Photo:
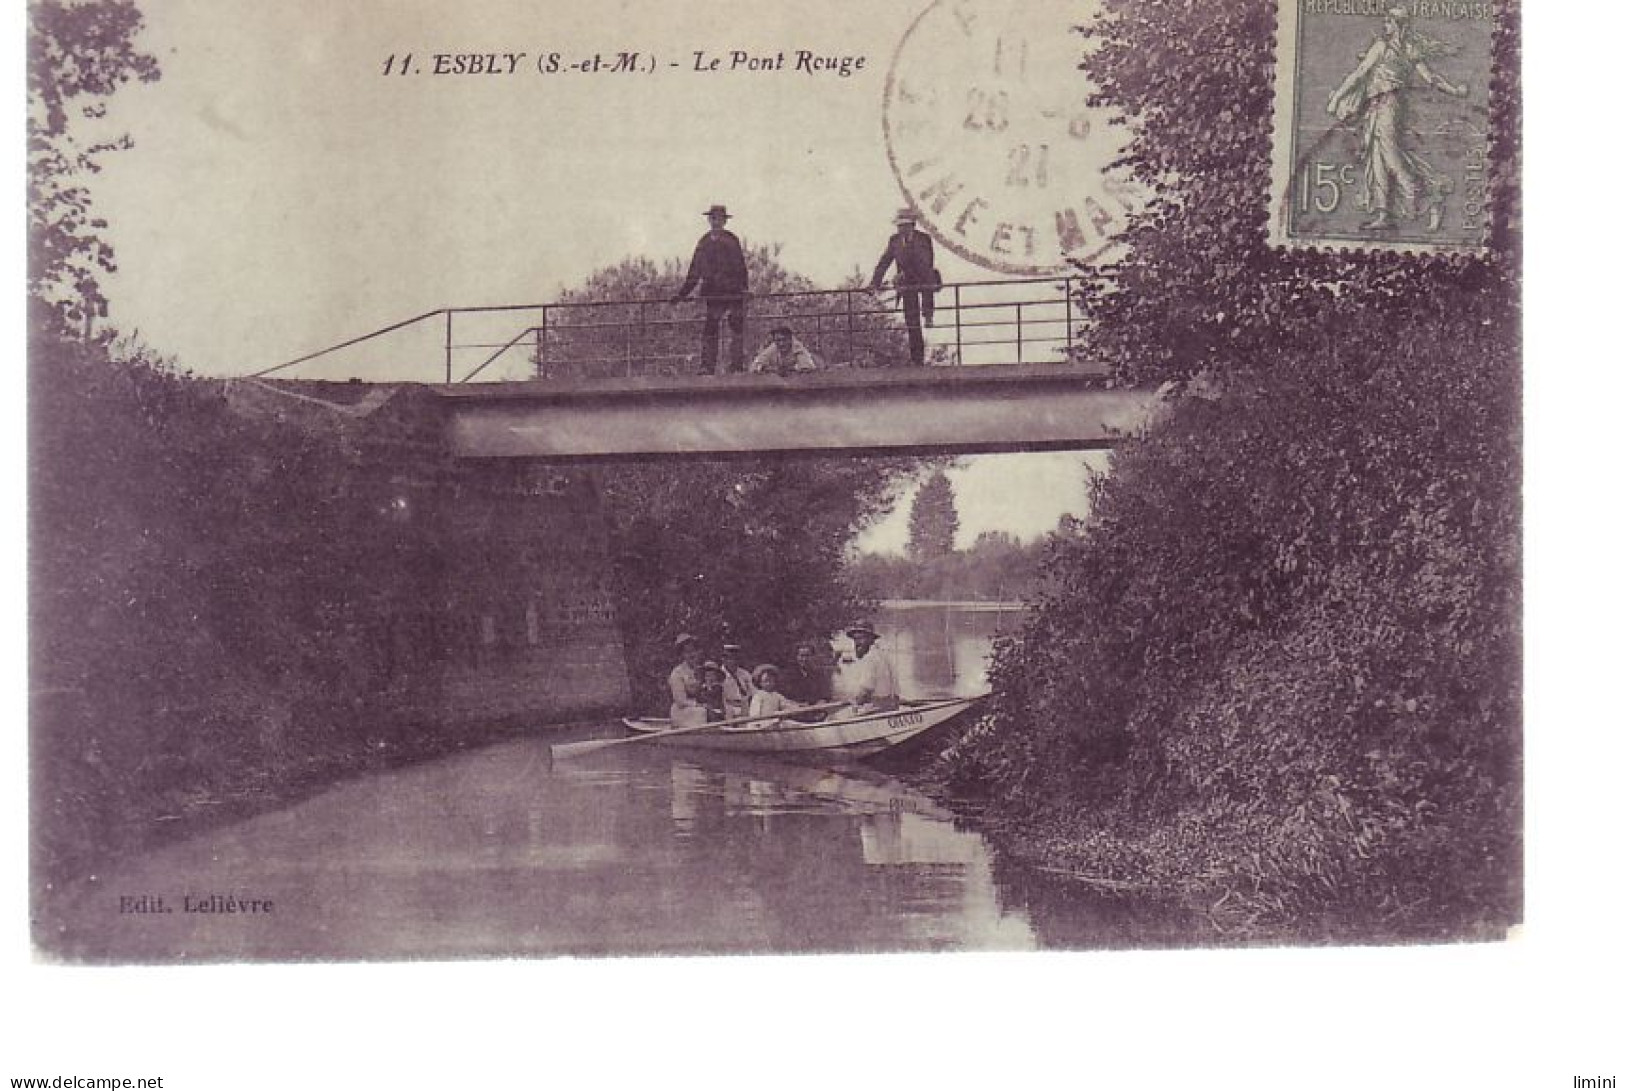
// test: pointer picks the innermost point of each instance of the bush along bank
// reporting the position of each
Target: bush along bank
(232, 608)
(1276, 674)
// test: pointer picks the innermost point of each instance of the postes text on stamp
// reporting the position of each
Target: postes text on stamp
(993, 141)
(1381, 136)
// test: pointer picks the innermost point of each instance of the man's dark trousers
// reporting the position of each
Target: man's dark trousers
(734, 308)
(913, 303)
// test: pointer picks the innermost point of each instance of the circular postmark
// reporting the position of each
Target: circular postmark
(992, 138)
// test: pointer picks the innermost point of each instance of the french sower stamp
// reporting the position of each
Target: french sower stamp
(1382, 124)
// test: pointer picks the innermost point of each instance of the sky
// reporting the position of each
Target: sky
(284, 193)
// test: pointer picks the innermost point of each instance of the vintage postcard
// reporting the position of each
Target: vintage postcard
(520, 480)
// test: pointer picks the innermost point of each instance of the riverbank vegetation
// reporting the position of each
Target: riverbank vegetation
(1276, 673)
(212, 601)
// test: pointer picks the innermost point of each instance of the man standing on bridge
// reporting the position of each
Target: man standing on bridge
(718, 270)
(917, 279)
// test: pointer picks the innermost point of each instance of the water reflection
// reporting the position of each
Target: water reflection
(640, 850)
(941, 649)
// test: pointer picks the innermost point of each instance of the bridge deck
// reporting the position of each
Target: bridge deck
(883, 411)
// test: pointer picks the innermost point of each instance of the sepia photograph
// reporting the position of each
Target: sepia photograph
(606, 496)
(957, 476)
(928, 543)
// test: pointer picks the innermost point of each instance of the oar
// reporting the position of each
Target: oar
(572, 749)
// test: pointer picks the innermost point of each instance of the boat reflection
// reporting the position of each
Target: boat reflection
(937, 879)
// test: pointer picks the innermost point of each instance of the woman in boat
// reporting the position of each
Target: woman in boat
(767, 700)
(686, 684)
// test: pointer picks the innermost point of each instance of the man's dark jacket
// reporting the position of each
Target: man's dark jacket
(718, 267)
(916, 262)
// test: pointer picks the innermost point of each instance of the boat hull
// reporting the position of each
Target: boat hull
(859, 736)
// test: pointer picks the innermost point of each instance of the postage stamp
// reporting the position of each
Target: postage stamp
(1381, 136)
(991, 135)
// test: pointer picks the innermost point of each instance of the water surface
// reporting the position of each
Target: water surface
(637, 849)
(634, 850)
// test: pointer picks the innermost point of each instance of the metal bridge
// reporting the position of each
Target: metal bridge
(617, 379)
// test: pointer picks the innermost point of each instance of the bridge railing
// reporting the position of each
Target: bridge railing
(975, 322)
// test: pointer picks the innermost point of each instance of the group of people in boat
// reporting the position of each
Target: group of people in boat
(718, 271)
(724, 690)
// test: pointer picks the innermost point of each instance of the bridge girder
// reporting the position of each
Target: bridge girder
(900, 411)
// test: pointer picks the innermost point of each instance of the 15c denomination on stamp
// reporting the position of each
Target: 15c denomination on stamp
(1381, 137)
(991, 136)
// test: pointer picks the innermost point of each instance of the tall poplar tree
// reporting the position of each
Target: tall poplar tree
(934, 520)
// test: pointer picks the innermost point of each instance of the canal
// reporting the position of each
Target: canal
(633, 850)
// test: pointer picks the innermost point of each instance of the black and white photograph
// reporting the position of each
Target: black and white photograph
(556, 484)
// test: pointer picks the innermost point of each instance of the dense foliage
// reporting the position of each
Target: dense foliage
(78, 54)
(210, 594)
(1278, 670)
(621, 322)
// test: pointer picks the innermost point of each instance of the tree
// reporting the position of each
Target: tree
(620, 321)
(1278, 669)
(79, 53)
(934, 521)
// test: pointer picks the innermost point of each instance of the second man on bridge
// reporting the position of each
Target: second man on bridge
(917, 279)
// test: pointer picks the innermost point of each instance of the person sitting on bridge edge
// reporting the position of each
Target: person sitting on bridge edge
(718, 270)
(917, 279)
(784, 355)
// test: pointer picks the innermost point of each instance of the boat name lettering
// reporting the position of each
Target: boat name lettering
(907, 719)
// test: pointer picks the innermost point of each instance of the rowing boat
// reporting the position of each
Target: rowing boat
(852, 736)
